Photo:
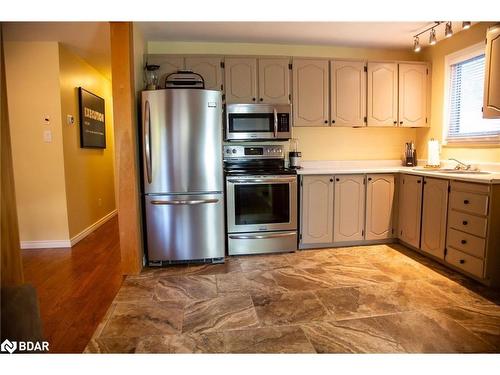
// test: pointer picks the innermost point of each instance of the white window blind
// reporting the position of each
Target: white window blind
(465, 118)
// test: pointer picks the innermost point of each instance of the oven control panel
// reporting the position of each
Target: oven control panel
(253, 152)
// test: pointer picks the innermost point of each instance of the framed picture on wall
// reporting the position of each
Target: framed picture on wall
(92, 120)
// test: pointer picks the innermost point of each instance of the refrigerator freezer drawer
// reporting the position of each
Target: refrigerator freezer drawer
(185, 227)
(262, 242)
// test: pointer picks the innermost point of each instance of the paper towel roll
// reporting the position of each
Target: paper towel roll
(433, 153)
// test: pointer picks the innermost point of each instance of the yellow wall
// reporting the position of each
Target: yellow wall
(436, 55)
(90, 191)
(318, 143)
(32, 71)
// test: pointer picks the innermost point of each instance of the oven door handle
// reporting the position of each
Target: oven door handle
(275, 112)
(184, 202)
(260, 236)
(262, 180)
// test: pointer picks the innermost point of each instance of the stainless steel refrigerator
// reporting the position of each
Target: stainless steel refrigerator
(183, 178)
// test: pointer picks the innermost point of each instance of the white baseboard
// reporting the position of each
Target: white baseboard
(67, 243)
(45, 244)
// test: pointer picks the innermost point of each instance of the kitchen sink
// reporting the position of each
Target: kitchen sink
(452, 171)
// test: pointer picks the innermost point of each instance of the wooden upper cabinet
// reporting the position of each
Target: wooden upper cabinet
(310, 92)
(349, 208)
(241, 80)
(380, 206)
(410, 209)
(434, 213)
(491, 99)
(274, 80)
(348, 93)
(209, 68)
(317, 209)
(413, 95)
(382, 94)
(168, 64)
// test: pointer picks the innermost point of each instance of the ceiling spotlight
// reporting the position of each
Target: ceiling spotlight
(416, 44)
(448, 31)
(432, 37)
(466, 25)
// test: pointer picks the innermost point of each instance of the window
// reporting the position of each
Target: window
(463, 117)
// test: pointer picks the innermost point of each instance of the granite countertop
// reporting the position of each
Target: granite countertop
(392, 166)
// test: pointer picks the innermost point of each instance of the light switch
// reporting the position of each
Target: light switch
(47, 136)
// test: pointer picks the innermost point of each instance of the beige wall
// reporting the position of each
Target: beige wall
(32, 71)
(58, 184)
(436, 55)
(318, 143)
(90, 191)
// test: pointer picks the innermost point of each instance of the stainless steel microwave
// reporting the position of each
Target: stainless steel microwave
(245, 122)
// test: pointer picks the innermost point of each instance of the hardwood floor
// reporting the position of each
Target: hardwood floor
(75, 286)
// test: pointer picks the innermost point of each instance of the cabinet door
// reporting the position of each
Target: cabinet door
(379, 206)
(241, 80)
(274, 81)
(209, 68)
(348, 93)
(310, 92)
(349, 208)
(410, 209)
(413, 95)
(434, 212)
(491, 98)
(382, 94)
(168, 64)
(317, 209)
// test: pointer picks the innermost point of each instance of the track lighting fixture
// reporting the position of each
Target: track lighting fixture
(448, 31)
(432, 37)
(466, 25)
(416, 44)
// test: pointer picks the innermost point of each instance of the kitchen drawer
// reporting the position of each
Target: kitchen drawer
(465, 262)
(470, 187)
(469, 202)
(466, 242)
(468, 223)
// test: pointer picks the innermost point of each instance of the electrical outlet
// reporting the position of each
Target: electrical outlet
(99, 202)
(47, 136)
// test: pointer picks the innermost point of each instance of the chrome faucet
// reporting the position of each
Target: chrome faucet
(460, 165)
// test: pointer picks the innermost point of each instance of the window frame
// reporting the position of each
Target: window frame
(450, 59)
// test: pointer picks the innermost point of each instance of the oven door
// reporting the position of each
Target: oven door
(251, 121)
(261, 203)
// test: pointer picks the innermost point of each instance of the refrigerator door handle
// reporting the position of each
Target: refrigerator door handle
(260, 236)
(146, 128)
(184, 202)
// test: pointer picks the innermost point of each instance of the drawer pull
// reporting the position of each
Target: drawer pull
(466, 201)
(463, 242)
(465, 222)
(462, 261)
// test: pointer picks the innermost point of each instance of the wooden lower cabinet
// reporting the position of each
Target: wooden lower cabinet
(434, 215)
(316, 210)
(410, 209)
(349, 208)
(380, 206)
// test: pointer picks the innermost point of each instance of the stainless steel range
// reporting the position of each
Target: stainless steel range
(261, 200)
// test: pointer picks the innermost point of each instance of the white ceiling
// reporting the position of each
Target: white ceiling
(89, 40)
(395, 35)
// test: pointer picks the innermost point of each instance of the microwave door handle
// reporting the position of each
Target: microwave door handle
(146, 128)
(275, 123)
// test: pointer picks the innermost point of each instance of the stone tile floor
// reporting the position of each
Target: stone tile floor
(370, 299)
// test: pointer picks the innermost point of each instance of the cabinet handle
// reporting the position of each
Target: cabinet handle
(261, 99)
(326, 121)
(465, 222)
(395, 122)
(253, 99)
(333, 121)
(369, 178)
(463, 242)
(462, 261)
(401, 123)
(466, 201)
(337, 179)
(331, 179)
(418, 182)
